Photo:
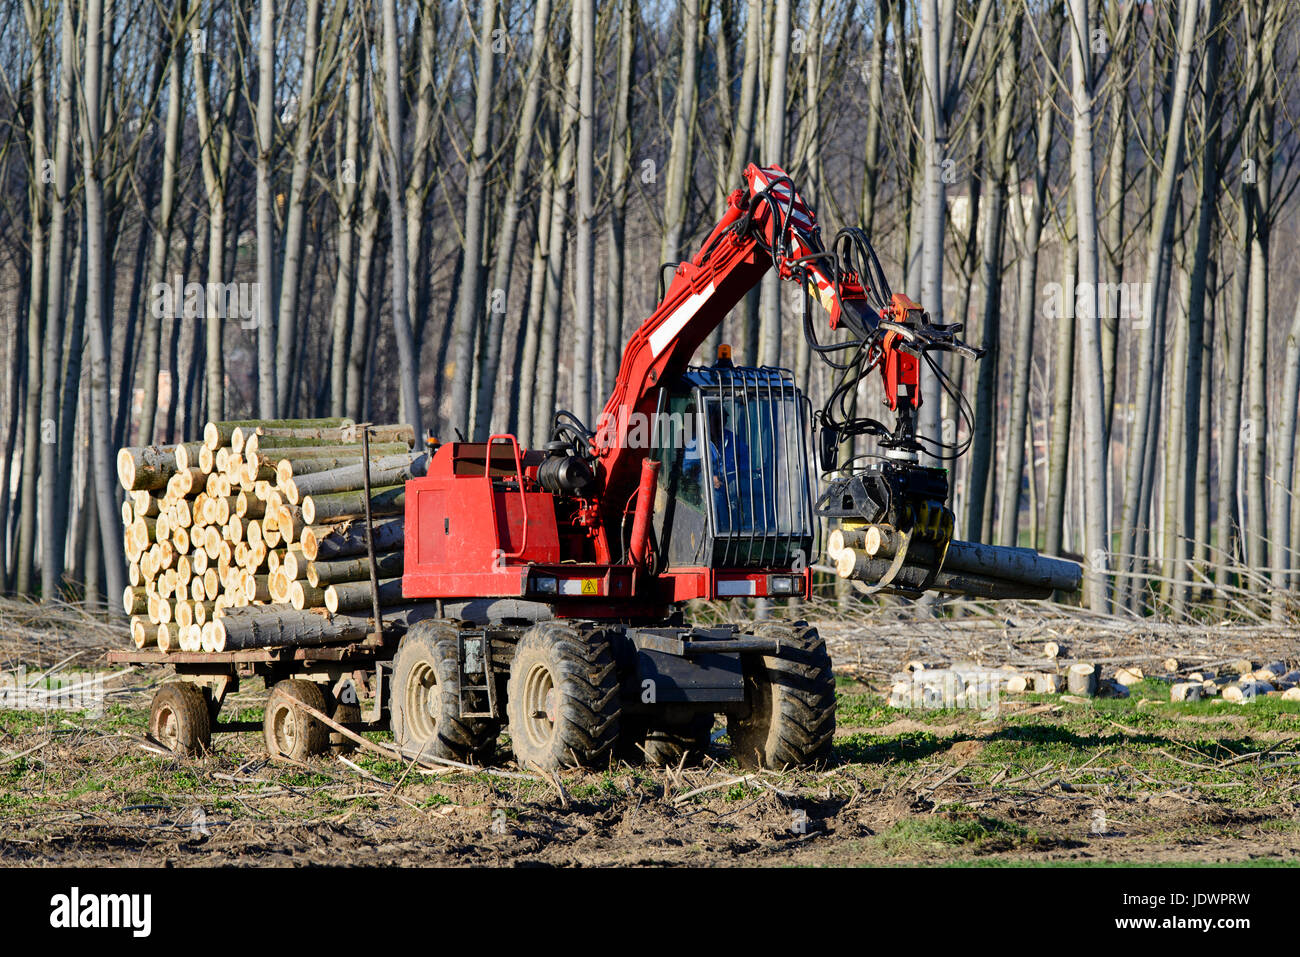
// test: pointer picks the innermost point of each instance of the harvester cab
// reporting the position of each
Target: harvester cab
(734, 485)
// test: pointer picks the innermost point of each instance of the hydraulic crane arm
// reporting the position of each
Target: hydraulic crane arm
(768, 225)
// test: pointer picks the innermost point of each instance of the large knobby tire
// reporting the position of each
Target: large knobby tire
(790, 719)
(666, 745)
(289, 731)
(426, 700)
(180, 718)
(563, 698)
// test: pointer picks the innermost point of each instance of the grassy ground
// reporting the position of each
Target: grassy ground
(1044, 781)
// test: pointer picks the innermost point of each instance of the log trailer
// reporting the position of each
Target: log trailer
(544, 588)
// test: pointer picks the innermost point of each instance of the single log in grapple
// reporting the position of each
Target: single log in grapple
(543, 590)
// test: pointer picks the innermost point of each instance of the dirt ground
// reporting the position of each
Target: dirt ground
(1040, 779)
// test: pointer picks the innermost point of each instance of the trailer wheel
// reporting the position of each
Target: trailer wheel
(426, 700)
(180, 718)
(562, 698)
(790, 718)
(290, 732)
(664, 745)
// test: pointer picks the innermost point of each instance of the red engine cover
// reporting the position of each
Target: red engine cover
(470, 531)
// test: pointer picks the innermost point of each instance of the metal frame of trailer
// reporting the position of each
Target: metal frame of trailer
(219, 673)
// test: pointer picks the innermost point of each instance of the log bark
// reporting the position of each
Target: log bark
(273, 435)
(217, 434)
(387, 565)
(857, 565)
(386, 471)
(135, 601)
(338, 506)
(168, 637)
(1021, 565)
(1081, 679)
(304, 595)
(262, 628)
(343, 541)
(146, 468)
(354, 596)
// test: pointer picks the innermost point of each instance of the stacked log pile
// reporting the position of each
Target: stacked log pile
(255, 535)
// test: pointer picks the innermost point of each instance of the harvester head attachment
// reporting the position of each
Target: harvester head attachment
(897, 511)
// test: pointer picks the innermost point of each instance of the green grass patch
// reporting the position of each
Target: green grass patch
(978, 832)
(867, 748)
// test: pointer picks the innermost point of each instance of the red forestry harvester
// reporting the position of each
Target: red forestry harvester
(544, 589)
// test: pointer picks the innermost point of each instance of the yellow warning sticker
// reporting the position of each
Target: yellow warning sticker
(589, 586)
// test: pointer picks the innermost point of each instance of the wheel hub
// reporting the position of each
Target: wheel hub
(286, 729)
(168, 732)
(423, 702)
(541, 705)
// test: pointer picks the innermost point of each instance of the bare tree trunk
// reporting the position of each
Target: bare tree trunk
(809, 158)
(287, 316)
(1202, 555)
(1233, 346)
(680, 157)
(216, 135)
(52, 509)
(620, 149)
(1258, 529)
(364, 306)
(875, 116)
(584, 250)
(267, 320)
(774, 147)
(346, 194)
(503, 266)
(934, 127)
(1114, 217)
(548, 343)
(471, 289)
(418, 185)
(941, 86)
(166, 210)
(14, 365)
(1031, 235)
(1092, 385)
(1195, 467)
(73, 349)
(91, 562)
(38, 203)
(98, 310)
(742, 142)
(530, 322)
(407, 361)
(1155, 300)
